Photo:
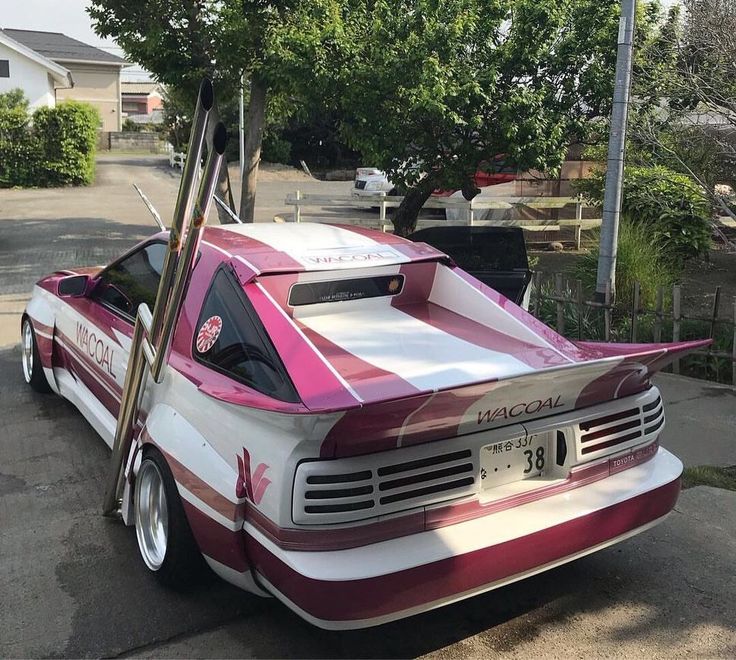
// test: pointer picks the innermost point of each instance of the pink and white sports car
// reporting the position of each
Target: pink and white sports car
(352, 424)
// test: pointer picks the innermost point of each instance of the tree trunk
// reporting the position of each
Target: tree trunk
(405, 218)
(225, 193)
(253, 139)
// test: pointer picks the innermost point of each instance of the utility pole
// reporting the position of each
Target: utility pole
(616, 149)
(241, 128)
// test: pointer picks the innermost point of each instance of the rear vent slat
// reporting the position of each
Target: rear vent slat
(429, 490)
(318, 479)
(616, 431)
(658, 425)
(345, 496)
(423, 462)
(612, 442)
(611, 430)
(600, 421)
(341, 492)
(339, 508)
(425, 476)
(651, 418)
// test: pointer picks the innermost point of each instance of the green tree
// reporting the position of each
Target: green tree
(431, 90)
(274, 45)
(692, 128)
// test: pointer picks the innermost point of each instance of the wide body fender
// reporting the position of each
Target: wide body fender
(42, 313)
(207, 487)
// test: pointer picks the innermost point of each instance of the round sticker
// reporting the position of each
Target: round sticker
(208, 334)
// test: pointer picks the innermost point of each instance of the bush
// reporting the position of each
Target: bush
(15, 98)
(69, 137)
(275, 149)
(20, 151)
(669, 204)
(639, 259)
(57, 148)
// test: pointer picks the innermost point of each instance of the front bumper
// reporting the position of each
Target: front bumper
(376, 583)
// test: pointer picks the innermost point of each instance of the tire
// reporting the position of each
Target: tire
(31, 360)
(165, 540)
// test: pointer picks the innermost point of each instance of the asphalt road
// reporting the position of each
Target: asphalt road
(72, 585)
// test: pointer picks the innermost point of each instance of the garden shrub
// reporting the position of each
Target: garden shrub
(68, 134)
(275, 149)
(20, 151)
(670, 204)
(55, 147)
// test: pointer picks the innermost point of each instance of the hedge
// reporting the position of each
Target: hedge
(54, 147)
(669, 204)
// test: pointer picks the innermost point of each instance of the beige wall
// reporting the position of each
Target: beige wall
(100, 86)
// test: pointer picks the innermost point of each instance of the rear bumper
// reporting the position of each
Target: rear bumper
(373, 584)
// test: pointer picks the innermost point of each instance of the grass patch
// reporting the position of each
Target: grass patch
(639, 259)
(710, 475)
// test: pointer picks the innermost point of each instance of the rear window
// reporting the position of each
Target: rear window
(312, 293)
(231, 339)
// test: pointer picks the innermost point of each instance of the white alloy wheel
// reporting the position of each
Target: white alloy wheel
(27, 350)
(151, 515)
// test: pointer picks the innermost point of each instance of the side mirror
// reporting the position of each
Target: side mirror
(74, 286)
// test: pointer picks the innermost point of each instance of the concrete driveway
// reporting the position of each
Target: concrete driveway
(72, 585)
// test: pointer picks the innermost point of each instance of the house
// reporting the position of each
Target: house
(143, 101)
(39, 77)
(142, 98)
(95, 73)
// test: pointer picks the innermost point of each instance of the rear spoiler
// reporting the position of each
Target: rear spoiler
(607, 372)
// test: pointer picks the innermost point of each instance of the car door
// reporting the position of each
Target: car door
(97, 328)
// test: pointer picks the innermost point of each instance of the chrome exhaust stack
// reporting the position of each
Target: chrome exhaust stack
(153, 331)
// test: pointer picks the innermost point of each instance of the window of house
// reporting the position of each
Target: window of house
(132, 280)
(230, 338)
(4, 68)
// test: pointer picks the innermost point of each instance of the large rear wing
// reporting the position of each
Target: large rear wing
(613, 372)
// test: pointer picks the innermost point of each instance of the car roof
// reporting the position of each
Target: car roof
(294, 247)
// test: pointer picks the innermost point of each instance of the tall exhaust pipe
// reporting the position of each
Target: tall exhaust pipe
(148, 332)
(202, 207)
(184, 200)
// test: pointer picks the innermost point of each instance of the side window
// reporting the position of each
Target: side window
(231, 339)
(132, 281)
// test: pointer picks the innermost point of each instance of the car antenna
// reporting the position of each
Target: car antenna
(151, 208)
(233, 216)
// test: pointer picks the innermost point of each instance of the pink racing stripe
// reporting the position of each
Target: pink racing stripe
(81, 369)
(565, 346)
(639, 363)
(264, 257)
(278, 287)
(200, 488)
(367, 380)
(215, 541)
(319, 386)
(71, 345)
(391, 593)
(418, 281)
(343, 538)
(380, 238)
(483, 336)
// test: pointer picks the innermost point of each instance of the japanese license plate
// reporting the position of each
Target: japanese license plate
(514, 460)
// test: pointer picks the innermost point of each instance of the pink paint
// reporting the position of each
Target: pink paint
(252, 485)
(367, 380)
(352, 600)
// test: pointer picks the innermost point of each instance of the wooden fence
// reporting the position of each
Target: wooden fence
(471, 212)
(568, 296)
